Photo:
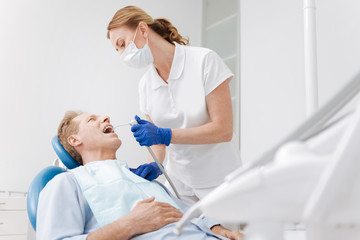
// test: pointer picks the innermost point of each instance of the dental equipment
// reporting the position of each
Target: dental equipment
(125, 124)
(310, 57)
(309, 127)
(313, 125)
(133, 122)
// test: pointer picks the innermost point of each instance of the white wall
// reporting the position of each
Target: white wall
(272, 64)
(55, 57)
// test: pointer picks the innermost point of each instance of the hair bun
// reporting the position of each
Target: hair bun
(165, 29)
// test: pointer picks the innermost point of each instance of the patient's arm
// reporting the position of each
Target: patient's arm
(62, 212)
(147, 216)
(233, 235)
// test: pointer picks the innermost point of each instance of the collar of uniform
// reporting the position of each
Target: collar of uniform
(178, 63)
(176, 70)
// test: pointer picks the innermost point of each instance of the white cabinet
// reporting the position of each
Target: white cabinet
(13, 237)
(13, 218)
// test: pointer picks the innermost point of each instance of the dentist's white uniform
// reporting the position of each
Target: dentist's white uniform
(195, 72)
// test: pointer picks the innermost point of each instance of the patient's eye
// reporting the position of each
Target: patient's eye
(91, 119)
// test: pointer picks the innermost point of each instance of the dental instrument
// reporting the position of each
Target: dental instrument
(133, 122)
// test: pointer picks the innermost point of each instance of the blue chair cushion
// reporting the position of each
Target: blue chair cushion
(44, 176)
(39, 182)
(64, 156)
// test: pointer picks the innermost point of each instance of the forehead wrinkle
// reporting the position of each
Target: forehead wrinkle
(77, 120)
(83, 117)
(80, 117)
(92, 116)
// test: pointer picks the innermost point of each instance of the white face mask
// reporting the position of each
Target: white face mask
(137, 58)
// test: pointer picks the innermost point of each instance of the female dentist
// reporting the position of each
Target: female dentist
(186, 100)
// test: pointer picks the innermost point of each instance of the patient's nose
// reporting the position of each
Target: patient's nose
(105, 119)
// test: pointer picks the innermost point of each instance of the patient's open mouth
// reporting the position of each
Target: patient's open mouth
(108, 129)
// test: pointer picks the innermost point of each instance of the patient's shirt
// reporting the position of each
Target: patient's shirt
(64, 213)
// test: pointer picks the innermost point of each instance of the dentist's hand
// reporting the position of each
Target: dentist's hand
(149, 171)
(147, 134)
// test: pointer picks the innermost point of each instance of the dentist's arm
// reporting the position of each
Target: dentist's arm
(147, 216)
(219, 129)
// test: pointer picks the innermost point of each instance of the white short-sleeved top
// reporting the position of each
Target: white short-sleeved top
(195, 72)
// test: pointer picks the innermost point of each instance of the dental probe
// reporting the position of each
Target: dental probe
(125, 124)
(132, 123)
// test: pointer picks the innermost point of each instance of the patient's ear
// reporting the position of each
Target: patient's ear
(74, 141)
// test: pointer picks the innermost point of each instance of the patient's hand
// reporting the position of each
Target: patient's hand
(233, 235)
(149, 215)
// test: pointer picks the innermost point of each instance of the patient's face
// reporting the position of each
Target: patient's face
(96, 133)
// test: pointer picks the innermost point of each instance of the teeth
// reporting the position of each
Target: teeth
(108, 127)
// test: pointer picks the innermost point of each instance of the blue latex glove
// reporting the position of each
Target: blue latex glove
(147, 134)
(149, 171)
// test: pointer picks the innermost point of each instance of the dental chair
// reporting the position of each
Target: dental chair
(311, 177)
(44, 176)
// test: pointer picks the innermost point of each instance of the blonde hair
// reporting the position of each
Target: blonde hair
(131, 16)
(66, 128)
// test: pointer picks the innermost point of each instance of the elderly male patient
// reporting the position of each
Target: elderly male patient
(103, 199)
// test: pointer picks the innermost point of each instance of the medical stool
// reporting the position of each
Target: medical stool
(44, 176)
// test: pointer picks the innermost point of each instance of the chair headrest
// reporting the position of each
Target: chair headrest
(64, 156)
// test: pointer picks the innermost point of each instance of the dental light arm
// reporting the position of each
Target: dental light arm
(305, 131)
